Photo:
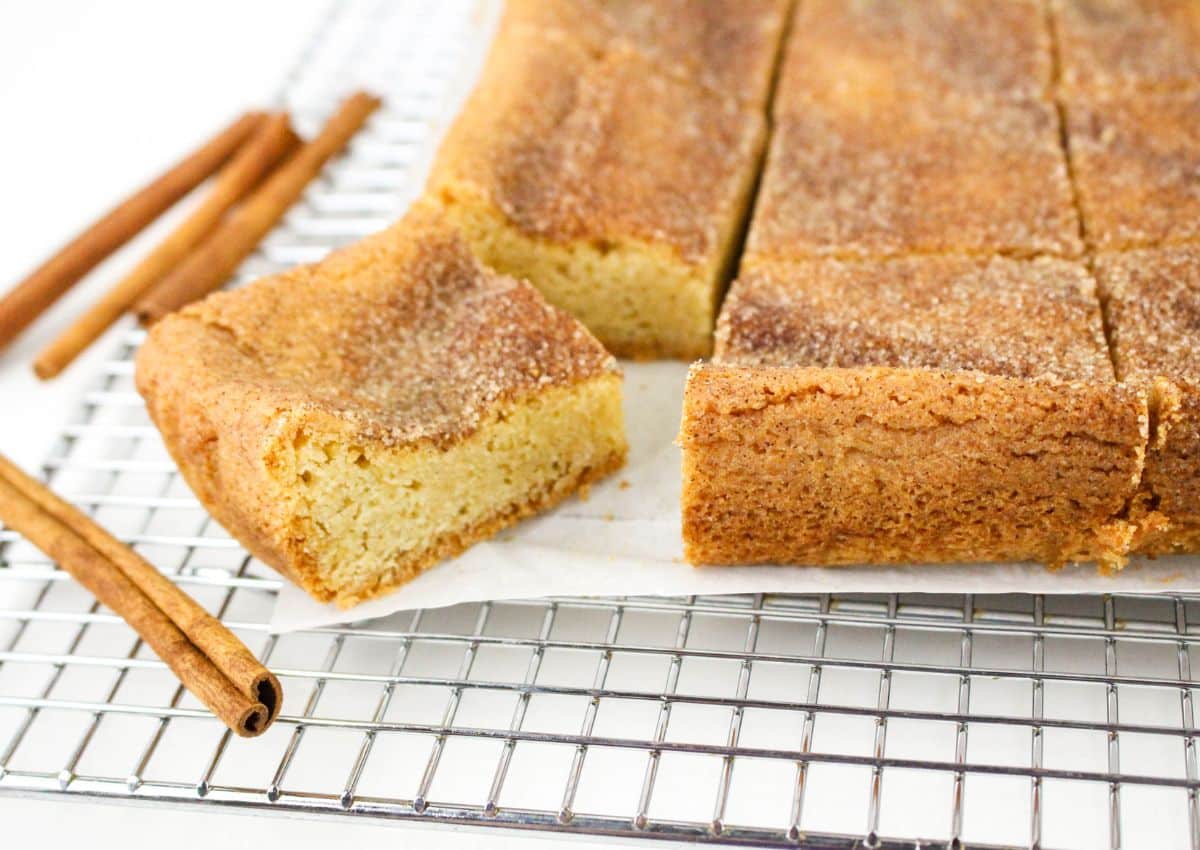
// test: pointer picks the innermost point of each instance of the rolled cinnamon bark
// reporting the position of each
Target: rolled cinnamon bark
(211, 264)
(209, 660)
(274, 140)
(46, 284)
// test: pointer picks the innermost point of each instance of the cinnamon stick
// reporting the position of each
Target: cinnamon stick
(208, 659)
(46, 284)
(219, 255)
(274, 140)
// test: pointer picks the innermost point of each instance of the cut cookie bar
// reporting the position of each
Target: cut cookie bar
(1137, 166)
(727, 46)
(874, 180)
(1152, 298)
(1128, 45)
(1021, 318)
(888, 50)
(620, 192)
(928, 409)
(355, 421)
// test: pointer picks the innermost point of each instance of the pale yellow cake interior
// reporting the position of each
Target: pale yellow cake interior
(372, 516)
(640, 299)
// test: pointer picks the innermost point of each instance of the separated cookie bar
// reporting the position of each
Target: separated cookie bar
(1136, 163)
(727, 46)
(355, 421)
(919, 410)
(1152, 298)
(884, 179)
(618, 191)
(1128, 46)
(881, 51)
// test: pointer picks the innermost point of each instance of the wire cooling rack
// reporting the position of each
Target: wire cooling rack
(812, 721)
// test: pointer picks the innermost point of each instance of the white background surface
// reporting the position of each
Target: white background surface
(96, 98)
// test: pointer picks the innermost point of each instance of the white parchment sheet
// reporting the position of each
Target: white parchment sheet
(624, 540)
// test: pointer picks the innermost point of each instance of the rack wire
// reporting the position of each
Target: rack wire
(831, 721)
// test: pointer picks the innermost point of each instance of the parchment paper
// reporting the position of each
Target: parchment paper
(624, 540)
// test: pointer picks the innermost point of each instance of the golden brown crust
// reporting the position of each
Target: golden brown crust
(575, 148)
(1136, 159)
(727, 46)
(886, 50)
(916, 177)
(404, 334)
(1128, 45)
(400, 340)
(1020, 318)
(618, 190)
(877, 465)
(1152, 300)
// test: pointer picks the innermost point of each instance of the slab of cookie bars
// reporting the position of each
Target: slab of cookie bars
(727, 46)
(884, 50)
(620, 192)
(1152, 298)
(929, 409)
(1136, 164)
(355, 421)
(1109, 46)
(885, 179)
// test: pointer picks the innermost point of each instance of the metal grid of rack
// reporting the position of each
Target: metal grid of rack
(813, 721)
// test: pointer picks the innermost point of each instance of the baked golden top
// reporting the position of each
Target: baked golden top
(403, 334)
(916, 177)
(728, 46)
(1126, 45)
(1137, 167)
(1017, 318)
(573, 146)
(1153, 301)
(882, 50)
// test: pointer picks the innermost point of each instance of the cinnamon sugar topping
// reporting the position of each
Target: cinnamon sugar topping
(847, 179)
(884, 50)
(1128, 45)
(1153, 302)
(727, 46)
(571, 146)
(404, 334)
(1137, 167)
(1017, 318)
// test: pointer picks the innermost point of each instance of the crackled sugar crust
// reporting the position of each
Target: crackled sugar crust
(727, 46)
(1136, 158)
(847, 179)
(550, 138)
(619, 191)
(1152, 299)
(919, 409)
(356, 420)
(887, 50)
(1128, 45)
(1021, 318)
